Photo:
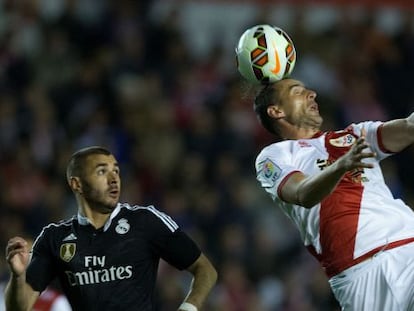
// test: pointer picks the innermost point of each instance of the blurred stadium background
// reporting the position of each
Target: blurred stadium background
(155, 81)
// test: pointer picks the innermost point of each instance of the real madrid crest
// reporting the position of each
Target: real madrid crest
(122, 227)
(67, 251)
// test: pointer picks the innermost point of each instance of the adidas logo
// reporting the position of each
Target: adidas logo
(70, 237)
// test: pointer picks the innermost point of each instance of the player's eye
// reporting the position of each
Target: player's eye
(101, 171)
(298, 90)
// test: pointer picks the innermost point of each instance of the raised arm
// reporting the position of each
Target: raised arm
(205, 276)
(19, 296)
(398, 134)
(307, 191)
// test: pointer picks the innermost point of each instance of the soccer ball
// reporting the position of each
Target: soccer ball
(265, 54)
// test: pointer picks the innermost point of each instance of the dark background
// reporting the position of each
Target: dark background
(156, 82)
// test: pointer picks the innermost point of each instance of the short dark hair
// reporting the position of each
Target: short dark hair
(77, 161)
(263, 100)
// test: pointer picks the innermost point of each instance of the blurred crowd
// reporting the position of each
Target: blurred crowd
(75, 73)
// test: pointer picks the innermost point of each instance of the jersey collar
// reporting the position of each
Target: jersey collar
(318, 134)
(84, 221)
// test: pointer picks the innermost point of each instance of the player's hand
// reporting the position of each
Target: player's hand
(17, 255)
(354, 157)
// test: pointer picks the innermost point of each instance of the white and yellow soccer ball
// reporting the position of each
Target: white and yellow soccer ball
(265, 54)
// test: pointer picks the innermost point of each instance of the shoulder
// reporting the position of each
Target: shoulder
(56, 229)
(368, 126)
(149, 215)
(277, 150)
(59, 226)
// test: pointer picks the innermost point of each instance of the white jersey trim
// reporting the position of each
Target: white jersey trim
(167, 220)
(66, 223)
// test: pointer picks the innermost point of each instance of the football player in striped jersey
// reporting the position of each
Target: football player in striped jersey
(330, 184)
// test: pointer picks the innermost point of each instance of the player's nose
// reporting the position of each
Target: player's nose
(113, 178)
(311, 94)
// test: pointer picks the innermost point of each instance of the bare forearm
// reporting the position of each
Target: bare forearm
(398, 134)
(314, 189)
(199, 290)
(205, 276)
(307, 191)
(16, 294)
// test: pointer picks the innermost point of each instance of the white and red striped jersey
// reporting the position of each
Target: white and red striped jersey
(359, 218)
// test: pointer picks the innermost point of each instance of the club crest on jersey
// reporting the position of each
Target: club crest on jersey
(67, 251)
(343, 141)
(269, 172)
(122, 227)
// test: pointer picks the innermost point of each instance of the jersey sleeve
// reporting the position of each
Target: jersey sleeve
(373, 137)
(169, 242)
(273, 167)
(41, 270)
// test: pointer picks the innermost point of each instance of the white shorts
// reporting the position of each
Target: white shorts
(384, 282)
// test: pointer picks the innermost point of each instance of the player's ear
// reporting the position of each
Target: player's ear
(75, 184)
(275, 112)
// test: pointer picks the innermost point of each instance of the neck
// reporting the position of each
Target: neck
(97, 217)
(304, 127)
(299, 133)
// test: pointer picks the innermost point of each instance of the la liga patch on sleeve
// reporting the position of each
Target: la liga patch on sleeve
(268, 173)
